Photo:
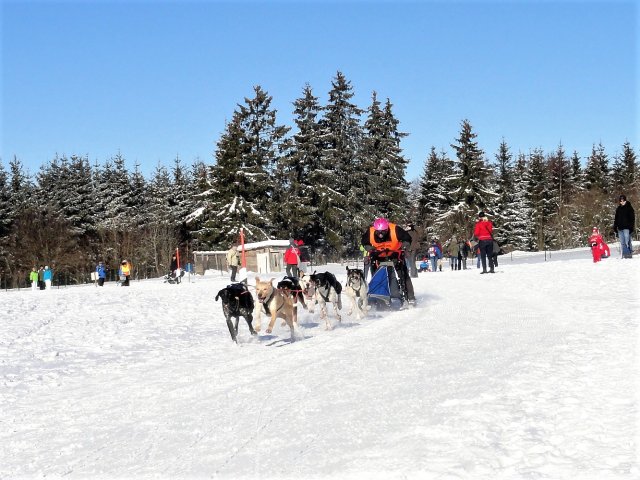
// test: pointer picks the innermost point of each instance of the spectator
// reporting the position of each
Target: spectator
(624, 225)
(33, 277)
(101, 270)
(233, 261)
(483, 231)
(412, 253)
(47, 276)
(292, 259)
(125, 273)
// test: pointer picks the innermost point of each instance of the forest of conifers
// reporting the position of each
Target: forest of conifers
(323, 180)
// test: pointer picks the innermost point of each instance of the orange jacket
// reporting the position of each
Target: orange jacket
(393, 245)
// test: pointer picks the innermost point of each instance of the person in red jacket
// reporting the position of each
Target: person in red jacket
(292, 259)
(483, 231)
(599, 249)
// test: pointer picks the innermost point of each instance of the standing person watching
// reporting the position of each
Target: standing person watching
(233, 260)
(33, 277)
(624, 224)
(101, 270)
(412, 253)
(125, 270)
(292, 259)
(483, 231)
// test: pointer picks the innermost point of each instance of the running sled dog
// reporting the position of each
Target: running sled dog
(357, 290)
(236, 302)
(275, 303)
(323, 288)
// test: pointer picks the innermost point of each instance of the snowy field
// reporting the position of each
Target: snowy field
(531, 373)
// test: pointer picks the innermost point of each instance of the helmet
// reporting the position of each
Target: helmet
(380, 224)
(595, 230)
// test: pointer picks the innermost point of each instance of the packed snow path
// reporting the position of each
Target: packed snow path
(528, 373)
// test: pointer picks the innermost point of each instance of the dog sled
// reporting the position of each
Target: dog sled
(386, 287)
(174, 277)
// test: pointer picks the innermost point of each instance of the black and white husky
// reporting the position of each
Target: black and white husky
(322, 288)
(357, 290)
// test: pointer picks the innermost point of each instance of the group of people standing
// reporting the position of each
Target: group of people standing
(124, 273)
(41, 278)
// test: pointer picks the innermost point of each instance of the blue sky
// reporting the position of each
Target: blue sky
(153, 80)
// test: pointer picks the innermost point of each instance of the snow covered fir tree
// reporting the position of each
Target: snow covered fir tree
(322, 179)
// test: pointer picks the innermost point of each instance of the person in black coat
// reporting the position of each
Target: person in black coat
(624, 225)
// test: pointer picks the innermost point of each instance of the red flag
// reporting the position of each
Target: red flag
(243, 260)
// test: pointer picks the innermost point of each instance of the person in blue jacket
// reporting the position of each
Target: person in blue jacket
(47, 276)
(102, 273)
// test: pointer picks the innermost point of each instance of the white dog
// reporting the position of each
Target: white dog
(322, 288)
(357, 290)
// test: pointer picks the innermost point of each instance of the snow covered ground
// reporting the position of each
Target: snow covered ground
(531, 373)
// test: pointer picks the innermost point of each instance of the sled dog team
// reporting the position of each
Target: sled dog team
(281, 301)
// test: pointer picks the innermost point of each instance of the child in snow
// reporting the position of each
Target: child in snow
(424, 265)
(599, 249)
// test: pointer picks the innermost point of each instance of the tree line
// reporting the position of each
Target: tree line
(322, 180)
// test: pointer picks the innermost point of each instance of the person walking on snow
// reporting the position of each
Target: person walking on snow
(624, 224)
(483, 231)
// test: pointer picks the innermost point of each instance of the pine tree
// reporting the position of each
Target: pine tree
(383, 166)
(538, 196)
(242, 181)
(435, 193)
(299, 170)
(505, 213)
(472, 192)
(520, 225)
(597, 170)
(577, 175)
(342, 168)
(6, 219)
(624, 175)
(561, 191)
(180, 200)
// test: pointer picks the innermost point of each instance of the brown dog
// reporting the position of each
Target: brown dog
(275, 303)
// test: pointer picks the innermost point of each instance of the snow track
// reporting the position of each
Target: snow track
(529, 374)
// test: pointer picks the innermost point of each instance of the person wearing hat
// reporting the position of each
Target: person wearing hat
(483, 231)
(624, 224)
(291, 259)
(387, 241)
(599, 249)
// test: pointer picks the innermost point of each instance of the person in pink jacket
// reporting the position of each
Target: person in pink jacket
(483, 232)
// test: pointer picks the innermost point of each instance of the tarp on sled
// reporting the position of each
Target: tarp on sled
(384, 289)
